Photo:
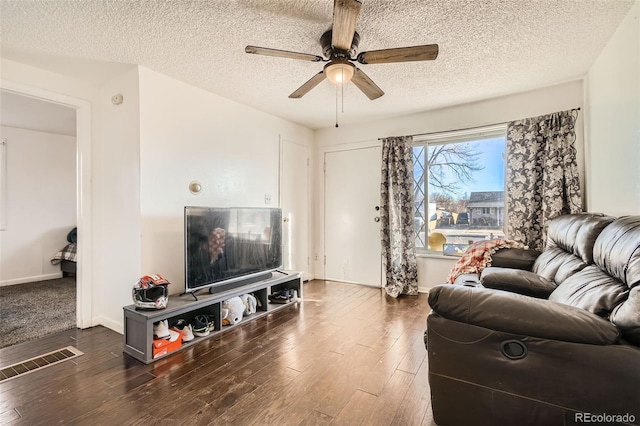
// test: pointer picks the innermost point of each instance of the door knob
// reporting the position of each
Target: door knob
(376, 219)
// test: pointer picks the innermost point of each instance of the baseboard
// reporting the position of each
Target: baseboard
(31, 279)
(423, 289)
(352, 283)
(116, 326)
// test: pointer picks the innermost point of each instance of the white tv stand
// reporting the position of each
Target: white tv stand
(138, 324)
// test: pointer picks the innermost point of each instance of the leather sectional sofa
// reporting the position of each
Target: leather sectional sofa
(555, 344)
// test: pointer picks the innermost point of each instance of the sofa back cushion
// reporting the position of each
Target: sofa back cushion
(617, 252)
(626, 316)
(591, 289)
(557, 265)
(569, 247)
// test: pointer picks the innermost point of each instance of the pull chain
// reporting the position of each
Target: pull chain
(343, 97)
(342, 94)
(342, 70)
(336, 106)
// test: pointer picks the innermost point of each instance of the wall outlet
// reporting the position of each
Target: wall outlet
(267, 198)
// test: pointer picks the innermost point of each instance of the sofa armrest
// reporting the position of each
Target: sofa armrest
(517, 281)
(515, 258)
(522, 315)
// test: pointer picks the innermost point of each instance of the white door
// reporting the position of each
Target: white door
(352, 232)
(294, 192)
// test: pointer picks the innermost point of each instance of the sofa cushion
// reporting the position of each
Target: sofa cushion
(515, 258)
(626, 316)
(593, 290)
(556, 265)
(590, 230)
(569, 248)
(577, 233)
(617, 251)
(517, 281)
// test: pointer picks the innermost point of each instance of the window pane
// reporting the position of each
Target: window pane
(464, 193)
(419, 190)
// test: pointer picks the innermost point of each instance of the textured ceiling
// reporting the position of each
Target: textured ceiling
(488, 48)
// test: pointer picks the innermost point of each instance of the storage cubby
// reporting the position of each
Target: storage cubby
(261, 298)
(138, 324)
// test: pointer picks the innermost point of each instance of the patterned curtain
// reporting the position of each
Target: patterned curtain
(396, 217)
(542, 175)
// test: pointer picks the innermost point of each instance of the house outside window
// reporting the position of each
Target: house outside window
(459, 188)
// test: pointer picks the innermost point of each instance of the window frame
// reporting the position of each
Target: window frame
(449, 137)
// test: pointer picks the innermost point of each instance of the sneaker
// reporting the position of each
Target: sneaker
(174, 335)
(187, 333)
(201, 326)
(161, 329)
(282, 296)
(184, 329)
(211, 319)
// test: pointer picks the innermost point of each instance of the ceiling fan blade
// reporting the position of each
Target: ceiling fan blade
(345, 16)
(282, 53)
(306, 87)
(364, 83)
(427, 52)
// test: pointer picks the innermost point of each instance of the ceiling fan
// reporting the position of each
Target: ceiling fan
(339, 45)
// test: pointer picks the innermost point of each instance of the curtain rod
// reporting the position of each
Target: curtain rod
(470, 128)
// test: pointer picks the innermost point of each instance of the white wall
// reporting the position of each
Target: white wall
(432, 270)
(116, 249)
(613, 122)
(41, 203)
(188, 134)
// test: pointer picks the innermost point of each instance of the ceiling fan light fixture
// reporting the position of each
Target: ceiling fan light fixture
(339, 72)
(340, 46)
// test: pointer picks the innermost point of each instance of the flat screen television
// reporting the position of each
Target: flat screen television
(225, 247)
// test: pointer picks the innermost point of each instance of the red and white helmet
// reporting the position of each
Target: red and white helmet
(151, 292)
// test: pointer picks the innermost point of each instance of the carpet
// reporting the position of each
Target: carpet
(32, 310)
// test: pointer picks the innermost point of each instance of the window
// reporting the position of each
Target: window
(459, 188)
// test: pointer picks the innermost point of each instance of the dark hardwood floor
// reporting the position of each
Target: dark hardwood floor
(347, 354)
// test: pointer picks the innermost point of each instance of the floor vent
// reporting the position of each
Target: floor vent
(39, 362)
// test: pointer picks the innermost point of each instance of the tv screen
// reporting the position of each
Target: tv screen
(223, 245)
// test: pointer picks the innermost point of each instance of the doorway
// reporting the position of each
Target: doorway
(83, 188)
(352, 227)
